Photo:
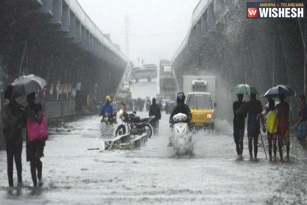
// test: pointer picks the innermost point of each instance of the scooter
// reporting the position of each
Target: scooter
(181, 136)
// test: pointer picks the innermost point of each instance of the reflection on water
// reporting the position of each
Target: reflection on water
(153, 175)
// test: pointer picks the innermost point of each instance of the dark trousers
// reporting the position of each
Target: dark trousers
(35, 150)
(13, 152)
(36, 170)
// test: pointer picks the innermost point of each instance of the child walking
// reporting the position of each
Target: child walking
(271, 124)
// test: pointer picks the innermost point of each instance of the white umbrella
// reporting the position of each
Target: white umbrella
(27, 84)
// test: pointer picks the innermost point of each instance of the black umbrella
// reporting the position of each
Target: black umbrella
(278, 90)
(27, 84)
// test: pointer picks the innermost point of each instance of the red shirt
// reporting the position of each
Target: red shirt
(283, 117)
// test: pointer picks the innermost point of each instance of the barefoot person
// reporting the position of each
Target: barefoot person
(283, 126)
(254, 109)
(239, 112)
(271, 125)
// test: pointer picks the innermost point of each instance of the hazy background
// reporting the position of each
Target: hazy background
(154, 28)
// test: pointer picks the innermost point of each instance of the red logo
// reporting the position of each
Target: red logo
(252, 12)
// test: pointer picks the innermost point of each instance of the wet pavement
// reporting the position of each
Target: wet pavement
(153, 174)
(75, 174)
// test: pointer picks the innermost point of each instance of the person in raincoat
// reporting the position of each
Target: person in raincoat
(239, 111)
(154, 110)
(301, 124)
(254, 114)
(107, 108)
(181, 107)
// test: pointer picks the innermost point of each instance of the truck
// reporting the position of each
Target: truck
(200, 94)
(167, 82)
(146, 71)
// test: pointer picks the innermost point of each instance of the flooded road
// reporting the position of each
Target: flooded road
(153, 175)
(73, 174)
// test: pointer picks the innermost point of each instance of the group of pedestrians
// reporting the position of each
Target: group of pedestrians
(252, 110)
(274, 121)
(15, 117)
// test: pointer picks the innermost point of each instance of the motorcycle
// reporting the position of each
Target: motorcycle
(109, 119)
(181, 136)
(133, 124)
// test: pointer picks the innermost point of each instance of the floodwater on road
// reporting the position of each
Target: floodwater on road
(73, 174)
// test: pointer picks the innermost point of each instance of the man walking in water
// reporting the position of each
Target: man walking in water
(254, 112)
(283, 125)
(239, 112)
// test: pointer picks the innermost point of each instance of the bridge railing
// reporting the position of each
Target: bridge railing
(90, 25)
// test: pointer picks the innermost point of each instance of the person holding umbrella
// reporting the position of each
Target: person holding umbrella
(239, 111)
(254, 112)
(283, 109)
(27, 85)
(281, 91)
(13, 118)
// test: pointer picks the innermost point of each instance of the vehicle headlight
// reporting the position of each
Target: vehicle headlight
(209, 116)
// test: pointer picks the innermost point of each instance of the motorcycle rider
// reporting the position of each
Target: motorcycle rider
(154, 110)
(107, 108)
(181, 107)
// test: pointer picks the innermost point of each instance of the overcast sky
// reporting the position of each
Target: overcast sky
(155, 28)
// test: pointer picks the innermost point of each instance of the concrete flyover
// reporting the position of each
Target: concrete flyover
(56, 40)
(260, 52)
